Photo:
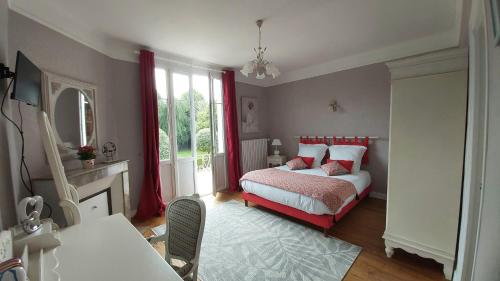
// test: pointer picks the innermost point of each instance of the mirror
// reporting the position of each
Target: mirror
(74, 118)
(70, 105)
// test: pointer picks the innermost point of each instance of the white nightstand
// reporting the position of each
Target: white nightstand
(276, 160)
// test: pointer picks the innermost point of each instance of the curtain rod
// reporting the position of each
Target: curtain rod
(331, 137)
(184, 63)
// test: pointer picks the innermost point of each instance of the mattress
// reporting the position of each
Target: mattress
(302, 202)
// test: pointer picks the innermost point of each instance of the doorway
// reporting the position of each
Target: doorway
(191, 131)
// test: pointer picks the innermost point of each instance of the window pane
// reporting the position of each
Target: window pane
(217, 90)
(182, 102)
(201, 98)
(161, 89)
(220, 128)
(218, 116)
(161, 83)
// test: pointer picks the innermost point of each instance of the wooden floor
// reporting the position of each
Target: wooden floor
(364, 227)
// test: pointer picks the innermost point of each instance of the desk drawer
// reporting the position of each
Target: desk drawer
(95, 207)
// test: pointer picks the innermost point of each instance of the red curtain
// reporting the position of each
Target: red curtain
(231, 126)
(151, 202)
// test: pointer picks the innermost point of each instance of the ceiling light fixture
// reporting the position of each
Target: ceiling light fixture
(260, 66)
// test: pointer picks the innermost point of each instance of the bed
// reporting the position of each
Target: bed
(306, 207)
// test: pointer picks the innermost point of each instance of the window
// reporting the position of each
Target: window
(161, 90)
(182, 103)
(218, 116)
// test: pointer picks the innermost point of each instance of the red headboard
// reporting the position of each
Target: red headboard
(355, 141)
(315, 140)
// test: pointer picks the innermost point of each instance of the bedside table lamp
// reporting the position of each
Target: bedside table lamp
(276, 143)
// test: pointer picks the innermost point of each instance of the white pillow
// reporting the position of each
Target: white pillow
(313, 150)
(348, 152)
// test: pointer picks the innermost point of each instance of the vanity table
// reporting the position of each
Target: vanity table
(109, 249)
(71, 111)
(102, 190)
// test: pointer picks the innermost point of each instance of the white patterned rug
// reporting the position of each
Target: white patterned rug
(247, 244)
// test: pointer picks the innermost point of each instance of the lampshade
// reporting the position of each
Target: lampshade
(276, 142)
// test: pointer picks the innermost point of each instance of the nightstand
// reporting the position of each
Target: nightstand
(276, 160)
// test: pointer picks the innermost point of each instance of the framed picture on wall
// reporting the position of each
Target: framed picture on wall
(495, 20)
(249, 114)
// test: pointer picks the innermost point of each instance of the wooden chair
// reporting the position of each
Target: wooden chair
(68, 196)
(185, 222)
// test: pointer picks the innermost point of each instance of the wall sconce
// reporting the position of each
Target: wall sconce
(333, 104)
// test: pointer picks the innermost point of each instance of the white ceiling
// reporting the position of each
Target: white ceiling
(304, 38)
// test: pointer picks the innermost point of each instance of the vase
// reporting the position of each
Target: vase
(88, 164)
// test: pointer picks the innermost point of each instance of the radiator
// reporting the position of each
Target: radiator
(253, 155)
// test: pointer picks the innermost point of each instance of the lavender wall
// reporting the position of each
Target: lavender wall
(117, 99)
(363, 96)
(7, 211)
(247, 90)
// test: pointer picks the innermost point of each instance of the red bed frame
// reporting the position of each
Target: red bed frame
(324, 221)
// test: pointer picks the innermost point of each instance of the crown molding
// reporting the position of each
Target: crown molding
(433, 63)
(401, 50)
(122, 50)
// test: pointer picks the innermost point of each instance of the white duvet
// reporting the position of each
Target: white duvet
(303, 202)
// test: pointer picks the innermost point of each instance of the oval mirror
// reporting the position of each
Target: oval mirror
(74, 118)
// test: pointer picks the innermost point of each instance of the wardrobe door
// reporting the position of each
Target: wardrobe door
(427, 131)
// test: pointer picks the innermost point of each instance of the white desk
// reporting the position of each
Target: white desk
(109, 248)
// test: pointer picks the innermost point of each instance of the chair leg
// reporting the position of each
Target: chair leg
(195, 274)
(246, 203)
(325, 232)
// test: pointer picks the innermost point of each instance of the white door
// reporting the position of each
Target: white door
(191, 132)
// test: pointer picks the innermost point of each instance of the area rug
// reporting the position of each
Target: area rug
(246, 244)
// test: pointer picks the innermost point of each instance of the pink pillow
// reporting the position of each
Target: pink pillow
(296, 164)
(334, 168)
(345, 163)
(308, 160)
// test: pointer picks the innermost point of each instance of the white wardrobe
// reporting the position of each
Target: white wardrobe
(426, 153)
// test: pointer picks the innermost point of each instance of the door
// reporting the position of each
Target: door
(218, 136)
(184, 142)
(203, 134)
(192, 143)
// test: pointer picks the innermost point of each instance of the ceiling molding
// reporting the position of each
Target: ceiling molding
(122, 50)
(397, 51)
(90, 40)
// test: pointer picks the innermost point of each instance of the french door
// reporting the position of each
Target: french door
(191, 132)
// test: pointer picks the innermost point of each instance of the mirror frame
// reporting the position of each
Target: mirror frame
(52, 87)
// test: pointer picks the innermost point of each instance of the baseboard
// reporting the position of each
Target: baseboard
(378, 195)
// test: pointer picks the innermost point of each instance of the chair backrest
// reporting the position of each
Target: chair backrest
(68, 197)
(185, 225)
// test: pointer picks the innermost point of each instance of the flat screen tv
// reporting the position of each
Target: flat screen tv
(28, 81)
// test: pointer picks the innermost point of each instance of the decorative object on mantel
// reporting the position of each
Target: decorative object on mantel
(495, 20)
(30, 222)
(260, 66)
(87, 155)
(334, 105)
(109, 150)
(276, 143)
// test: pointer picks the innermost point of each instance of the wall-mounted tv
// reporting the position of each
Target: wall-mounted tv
(28, 81)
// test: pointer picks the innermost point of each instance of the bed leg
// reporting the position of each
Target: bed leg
(246, 203)
(325, 232)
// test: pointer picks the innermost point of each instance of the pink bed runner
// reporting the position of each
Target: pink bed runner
(331, 191)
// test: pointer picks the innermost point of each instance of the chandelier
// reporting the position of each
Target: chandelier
(260, 66)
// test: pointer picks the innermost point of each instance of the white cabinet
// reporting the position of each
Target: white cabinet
(426, 152)
(95, 207)
(103, 190)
